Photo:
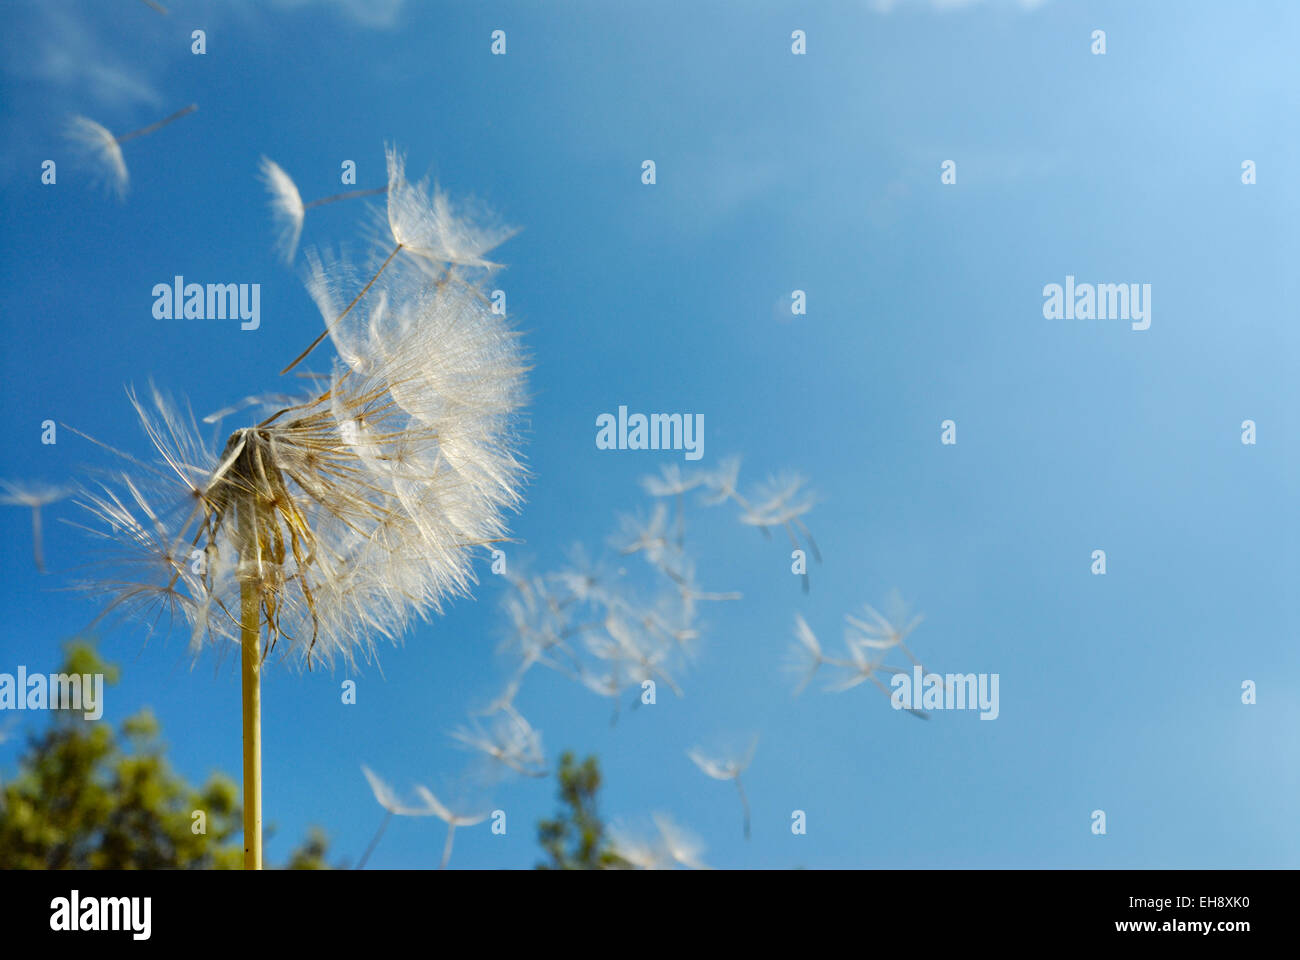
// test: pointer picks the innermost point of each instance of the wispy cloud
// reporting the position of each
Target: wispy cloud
(69, 55)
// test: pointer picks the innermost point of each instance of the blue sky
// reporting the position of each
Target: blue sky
(775, 172)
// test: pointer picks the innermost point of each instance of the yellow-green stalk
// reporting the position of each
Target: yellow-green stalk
(251, 660)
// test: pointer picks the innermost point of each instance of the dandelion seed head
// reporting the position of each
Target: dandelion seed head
(349, 512)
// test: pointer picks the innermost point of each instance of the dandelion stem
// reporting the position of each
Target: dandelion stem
(446, 851)
(349, 195)
(251, 660)
(744, 802)
(37, 553)
(361, 864)
(159, 125)
(316, 343)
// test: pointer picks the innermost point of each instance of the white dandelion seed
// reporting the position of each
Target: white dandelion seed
(672, 482)
(879, 632)
(721, 483)
(806, 654)
(868, 643)
(682, 845)
(104, 149)
(393, 806)
(662, 847)
(638, 534)
(510, 741)
(609, 683)
(436, 236)
(782, 502)
(863, 667)
(727, 766)
(636, 849)
(288, 209)
(467, 816)
(428, 806)
(639, 661)
(432, 226)
(34, 496)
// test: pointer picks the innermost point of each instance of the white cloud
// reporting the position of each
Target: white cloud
(68, 54)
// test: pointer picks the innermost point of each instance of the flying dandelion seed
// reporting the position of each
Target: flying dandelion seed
(781, 502)
(511, 742)
(728, 765)
(682, 845)
(867, 642)
(595, 623)
(722, 483)
(646, 536)
(287, 208)
(879, 632)
(635, 849)
(452, 819)
(387, 798)
(667, 845)
(33, 496)
(608, 684)
(436, 235)
(428, 805)
(104, 149)
(340, 518)
(672, 482)
(806, 655)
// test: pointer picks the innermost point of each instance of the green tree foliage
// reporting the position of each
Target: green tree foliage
(88, 797)
(575, 839)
